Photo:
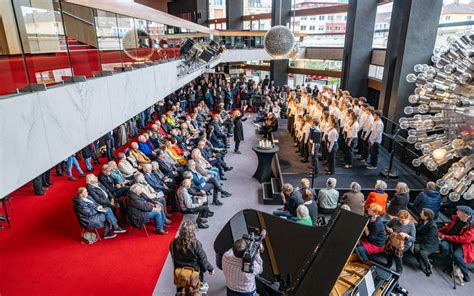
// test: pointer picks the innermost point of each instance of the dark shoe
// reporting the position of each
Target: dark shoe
(217, 203)
(226, 194)
(72, 178)
(49, 184)
(39, 193)
(162, 232)
(238, 152)
(210, 214)
(90, 170)
(166, 225)
(223, 178)
(467, 278)
(228, 169)
(82, 175)
(3, 219)
(109, 235)
(119, 230)
(304, 161)
(169, 215)
(202, 225)
(204, 220)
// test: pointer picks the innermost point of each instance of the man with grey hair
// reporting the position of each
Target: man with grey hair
(328, 197)
(99, 193)
(291, 199)
(126, 167)
(207, 183)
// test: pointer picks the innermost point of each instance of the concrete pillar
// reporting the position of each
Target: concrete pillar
(281, 15)
(234, 11)
(358, 46)
(411, 39)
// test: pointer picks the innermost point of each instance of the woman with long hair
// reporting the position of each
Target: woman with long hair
(237, 119)
(187, 251)
(427, 241)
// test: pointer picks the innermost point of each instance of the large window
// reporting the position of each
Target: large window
(306, 4)
(382, 25)
(252, 7)
(456, 15)
(216, 9)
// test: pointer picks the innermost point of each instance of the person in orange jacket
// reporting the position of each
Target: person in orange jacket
(378, 196)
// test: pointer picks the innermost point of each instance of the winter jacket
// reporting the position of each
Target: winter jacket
(465, 238)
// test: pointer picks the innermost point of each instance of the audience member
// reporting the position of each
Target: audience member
(427, 241)
(328, 197)
(405, 230)
(374, 236)
(399, 200)
(457, 241)
(188, 205)
(377, 196)
(354, 199)
(303, 217)
(125, 167)
(310, 203)
(291, 199)
(429, 198)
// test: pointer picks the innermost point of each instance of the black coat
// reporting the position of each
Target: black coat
(194, 257)
(137, 209)
(98, 196)
(238, 128)
(87, 152)
(427, 236)
(87, 214)
(108, 182)
(293, 201)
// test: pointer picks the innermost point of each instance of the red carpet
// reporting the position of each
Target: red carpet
(41, 253)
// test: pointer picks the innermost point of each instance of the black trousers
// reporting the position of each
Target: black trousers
(237, 144)
(374, 154)
(398, 262)
(202, 211)
(332, 158)
(349, 152)
(365, 149)
(306, 153)
(422, 256)
(61, 168)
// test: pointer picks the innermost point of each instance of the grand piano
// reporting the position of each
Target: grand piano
(304, 260)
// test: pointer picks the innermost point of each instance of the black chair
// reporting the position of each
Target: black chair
(130, 228)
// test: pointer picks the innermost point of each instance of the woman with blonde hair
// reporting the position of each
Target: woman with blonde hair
(237, 119)
(187, 251)
(373, 238)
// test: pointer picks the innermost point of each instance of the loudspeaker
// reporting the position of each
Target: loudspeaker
(206, 55)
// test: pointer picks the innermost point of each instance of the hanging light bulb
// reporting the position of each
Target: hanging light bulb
(442, 111)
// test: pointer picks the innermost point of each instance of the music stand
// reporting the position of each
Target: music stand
(315, 136)
(390, 172)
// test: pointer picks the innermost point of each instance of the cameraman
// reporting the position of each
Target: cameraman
(240, 283)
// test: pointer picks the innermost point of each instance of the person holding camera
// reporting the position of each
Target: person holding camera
(238, 282)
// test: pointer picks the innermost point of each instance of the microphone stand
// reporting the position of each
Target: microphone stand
(390, 172)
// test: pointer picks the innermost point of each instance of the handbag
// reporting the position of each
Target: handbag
(184, 276)
(395, 244)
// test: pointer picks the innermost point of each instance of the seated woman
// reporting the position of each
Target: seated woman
(203, 166)
(145, 148)
(139, 211)
(407, 230)
(377, 196)
(374, 236)
(172, 153)
(303, 216)
(399, 200)
(187, 251)
(427, 241)
(354, 199)
(458, 238)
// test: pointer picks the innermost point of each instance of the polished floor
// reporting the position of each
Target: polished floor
(245, 195)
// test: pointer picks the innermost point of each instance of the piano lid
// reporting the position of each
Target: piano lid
(311, 258)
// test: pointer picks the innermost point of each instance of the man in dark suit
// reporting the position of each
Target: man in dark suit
(218, 131)
(92, 215)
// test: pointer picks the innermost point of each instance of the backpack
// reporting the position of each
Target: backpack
(89, 238)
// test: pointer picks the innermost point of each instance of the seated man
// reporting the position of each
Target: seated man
(145, 147)
(99, 193)
(116, 174)
(91, 215)
(207, 184)
(188, 205)
(158, 185)
(117, 189)
(139, 211)
(429, 198)
(291, 200)
(220, 134)
(193, 190)
(166, 167)
(212, 158)
(125, 167)
(151, 195)
(261, 115)
(458, 237)
(138, 155)
(328, 197)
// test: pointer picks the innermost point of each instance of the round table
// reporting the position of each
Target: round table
(264, 169)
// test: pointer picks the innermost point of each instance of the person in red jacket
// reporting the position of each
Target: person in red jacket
(459, 234)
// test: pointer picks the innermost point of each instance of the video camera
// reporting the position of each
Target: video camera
(253, 247)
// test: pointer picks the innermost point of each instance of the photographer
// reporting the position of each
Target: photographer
(240, 283)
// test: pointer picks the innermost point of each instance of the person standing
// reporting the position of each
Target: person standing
(332, 146)
(375, 139)
(72, 161)
(187, 251)
(350, 129)
(366, 129)
(240, 283)
(237, 118)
